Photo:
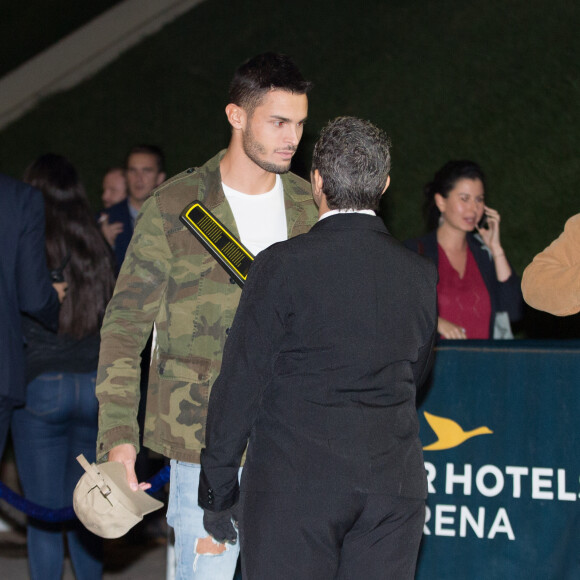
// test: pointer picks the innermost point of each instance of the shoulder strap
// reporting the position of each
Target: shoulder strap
(229, 252)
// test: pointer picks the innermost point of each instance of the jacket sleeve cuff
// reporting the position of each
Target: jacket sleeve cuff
(115, 436)
(214, 500)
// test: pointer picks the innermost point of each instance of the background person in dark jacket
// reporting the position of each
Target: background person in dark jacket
(478, 293)
(24, 287)
(114, 192)
(145, 170)
(333, 334)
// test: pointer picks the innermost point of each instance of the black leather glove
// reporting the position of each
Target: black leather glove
(221, 526)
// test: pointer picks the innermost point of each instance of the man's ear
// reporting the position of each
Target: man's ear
(236, 116)
(160, 178)
(316, 182)
(387, 184)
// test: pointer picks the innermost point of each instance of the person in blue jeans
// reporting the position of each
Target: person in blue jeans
(58, 423)
(59, 419)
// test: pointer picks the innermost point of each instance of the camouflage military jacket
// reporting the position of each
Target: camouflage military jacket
(168, 280)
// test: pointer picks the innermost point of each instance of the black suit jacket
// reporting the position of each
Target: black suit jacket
(333, 334)
(24, 278)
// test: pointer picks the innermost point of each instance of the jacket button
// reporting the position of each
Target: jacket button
(227, 330)
(232, 281)
(210, 501)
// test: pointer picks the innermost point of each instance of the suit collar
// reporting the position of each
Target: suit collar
(356, 221)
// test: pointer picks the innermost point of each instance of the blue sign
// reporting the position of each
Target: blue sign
(500, 430)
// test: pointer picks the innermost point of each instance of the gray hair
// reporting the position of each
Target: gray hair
(353, 158)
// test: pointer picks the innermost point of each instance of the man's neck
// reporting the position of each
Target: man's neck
(135, 203)
(239, 172)
(322, 206)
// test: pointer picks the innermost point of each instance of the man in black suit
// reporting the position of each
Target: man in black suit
(24, 287)
(333, 335)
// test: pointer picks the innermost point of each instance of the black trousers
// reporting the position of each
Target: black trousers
(310, 536)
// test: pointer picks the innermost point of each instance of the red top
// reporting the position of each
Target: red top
(463, 301)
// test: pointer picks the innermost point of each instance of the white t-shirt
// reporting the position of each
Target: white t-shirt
(261, 218)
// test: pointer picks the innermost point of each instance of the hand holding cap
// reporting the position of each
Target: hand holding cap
(104, 502)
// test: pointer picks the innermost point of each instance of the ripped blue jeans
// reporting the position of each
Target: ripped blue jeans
(197, 555)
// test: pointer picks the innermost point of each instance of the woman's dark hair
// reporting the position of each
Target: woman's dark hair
(444, 181)
(73, 240)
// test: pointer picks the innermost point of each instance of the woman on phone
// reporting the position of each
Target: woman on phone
(59, 420)
(478, 291)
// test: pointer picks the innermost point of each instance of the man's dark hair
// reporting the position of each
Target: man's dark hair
(150, 150)
(263, 73)
(353, 158)
(115, 168)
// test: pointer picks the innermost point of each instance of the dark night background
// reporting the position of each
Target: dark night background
(497, 82)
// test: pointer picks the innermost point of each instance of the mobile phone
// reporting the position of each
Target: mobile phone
(483, 222)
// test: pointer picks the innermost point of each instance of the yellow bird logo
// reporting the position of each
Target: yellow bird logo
(449, 433)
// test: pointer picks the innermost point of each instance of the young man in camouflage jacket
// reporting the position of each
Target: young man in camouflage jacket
(170, 282)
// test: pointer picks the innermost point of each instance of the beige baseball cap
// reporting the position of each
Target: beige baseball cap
(104, 502)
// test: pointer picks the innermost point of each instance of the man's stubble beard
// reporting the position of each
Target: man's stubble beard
(253, 149)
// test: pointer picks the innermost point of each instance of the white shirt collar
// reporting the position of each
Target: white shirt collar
(337, 211)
